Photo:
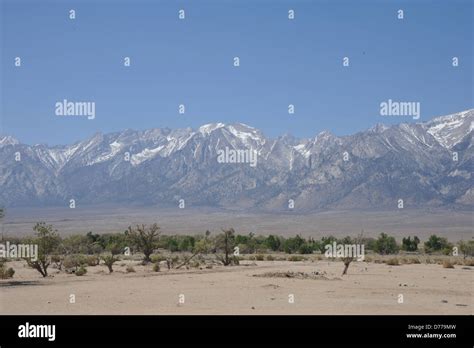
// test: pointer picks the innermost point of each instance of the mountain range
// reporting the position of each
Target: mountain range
(427, 164)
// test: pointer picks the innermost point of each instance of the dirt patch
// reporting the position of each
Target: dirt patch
(296, 275)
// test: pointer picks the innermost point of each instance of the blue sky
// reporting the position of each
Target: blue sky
(191, 62)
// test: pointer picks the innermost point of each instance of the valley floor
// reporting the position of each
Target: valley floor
(251, 288)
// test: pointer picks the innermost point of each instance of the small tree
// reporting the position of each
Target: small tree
(115, 248)
(226, 242)
(202, 246)
(435, 243)
(466, 248)
(386, 245)
(144, 239)
(410, 245)
(293, 244)
(273, 242)
(347, 259)
(48, 241)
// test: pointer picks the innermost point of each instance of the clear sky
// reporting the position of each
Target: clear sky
(191, 62)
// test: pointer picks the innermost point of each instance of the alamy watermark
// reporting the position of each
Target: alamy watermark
(395, 108)
(228, 155)
(335, 250)
(24, 251)
(69, 108)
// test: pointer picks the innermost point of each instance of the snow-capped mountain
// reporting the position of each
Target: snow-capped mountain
(425, 164)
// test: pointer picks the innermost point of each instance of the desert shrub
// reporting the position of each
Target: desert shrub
(195, 264)
(187, 243)
(386, 244)
(273, 243)
(435, 243)
(469, 262)
(368, 259)
(5, 272)
(410, 245)
(369, 243)
(115, 243)
(270, 258)
(92, 260)
(306, 248)
(325, 241)
(75, 244)
(81, 271)
(447, 264)
(170, 243)
(57, 261)
(466, 248)
(415, 260)
(72, 262)
(157, 258)
(130, 269)
(109, 261)
(438, 260)
(296, 258)
(393, 262)
(156, 267)
(292, 245)
(251, 258)
(260, 257)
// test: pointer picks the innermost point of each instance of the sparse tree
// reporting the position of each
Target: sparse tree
(48, 241)
(466, 248)
(115, 247)
(109, 261)
(226, 242)
(347, 259)
(144, 238)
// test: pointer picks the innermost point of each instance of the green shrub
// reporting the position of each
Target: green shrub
(259, 257)
(109, 261)
(386, 245)
(410, 245)
(6, 273)
(92, 260)
(81, 271)
(157, 258)
(296, 258)
(393, 262)
(156, 267)
(72, 262)
(435, 243)
(273, 243)
(292, 245)
(270, 258)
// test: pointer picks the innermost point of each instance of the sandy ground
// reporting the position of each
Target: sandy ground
(369, 288)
